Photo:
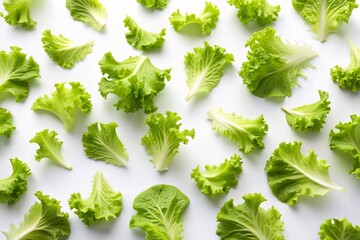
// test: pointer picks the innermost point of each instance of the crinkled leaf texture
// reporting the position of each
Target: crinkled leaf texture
(49, 147)
(90, 12)
(310, 117)
(18, 13)
(102, 205)
(16, 72)
(259, 10)
(217, 180)
(63, 51)
(204, 68)
(206, 20)
(324, 16)
(142, 39)
(272, 67)
(249, 221)
(164, 137)
(159, 210)
(290, 174)
(102, 143)
(14, 186)
(247, 133)
(6, 124)
(44, 220)
(135, 81)
(65, 103)
(335, 229)
(159, 4)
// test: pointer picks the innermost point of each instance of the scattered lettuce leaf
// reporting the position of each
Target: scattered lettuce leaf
(44, 220)
(65, 103)
(164, 137)
(63, 51)
(335, 229)
(290, 174)
(249, 221)
(6, 124)
(159, 210)
(14, 186)
(273, 67)
(102, 205)
(18, 13)
(158, 4)
(309, 117)
(204, 68)
(102, 143)
(247, 133)
(217, 180)
(206, 20)
(135, 81)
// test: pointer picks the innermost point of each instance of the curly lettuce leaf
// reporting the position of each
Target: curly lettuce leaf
(290, 174)
(247, 133)
(18, 13)
(6, 124)
(164, 137)
(102, 205)
(272, 67)
(44, 220)
(335, 229)
(102, 143)
(90, 12)
(204, 68)
(65, 103)
(309, 117)
(159, 210)
(217, 180)
(249, 221)
(135, 81)
(63, 51)
(14, 186)
(158, 4)
(206, 20)
(16, 72)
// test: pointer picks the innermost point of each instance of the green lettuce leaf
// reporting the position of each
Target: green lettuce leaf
(248, 221)
(158, 4)
(63, 51)
(164, 137)
(290, 174)
(206, 20)
(217, 180)
(135, 81)
(335, 229)
(14, 186)
(310, 117)
(6, 124)
(159, 210)
(102, 143)
(65, 103)
(102, 205)
(247, 133)
(18, 13)
(273, 67)
(204, 68)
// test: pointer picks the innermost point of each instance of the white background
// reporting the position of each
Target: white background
(300, 222)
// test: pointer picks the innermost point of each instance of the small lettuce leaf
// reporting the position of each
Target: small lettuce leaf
(63, 51)
(247, 133)
(159, 210)
(272, 67)
(290, 174)
(18, 13)
(309, 117)
(164, 137)
(102, 205)
(204, 68)
(142, 39)
(135, 81)
(90, 12)
(44, 220)
(16, 72)
(158, 4)
(49, 147)
(324, 16)
(217, 180)
(6, 124)
(249, 221)
(335, 229)
(206, 20)
(259, 10)
(102, 143)
(14, 186)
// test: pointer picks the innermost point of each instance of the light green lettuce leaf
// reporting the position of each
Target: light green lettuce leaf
(158, 4)
(18, 13)
(6, 124)
(335, 229)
